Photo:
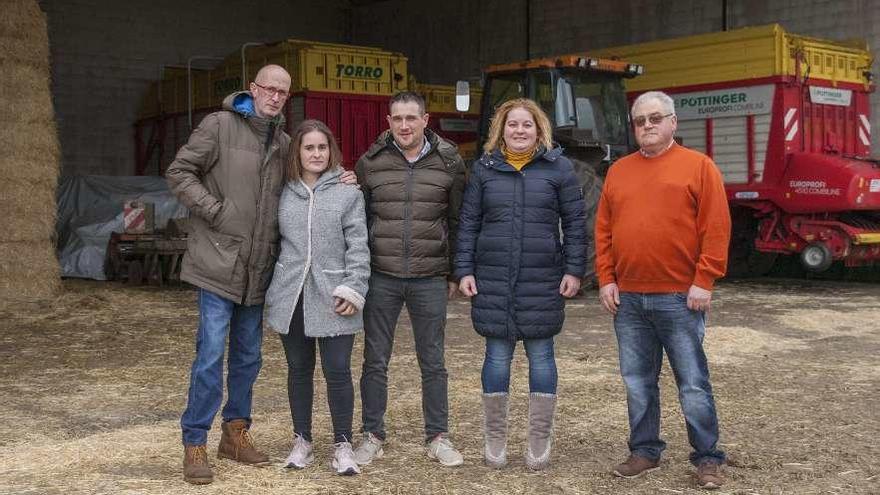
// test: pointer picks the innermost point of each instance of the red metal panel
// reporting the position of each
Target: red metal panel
(356, 120)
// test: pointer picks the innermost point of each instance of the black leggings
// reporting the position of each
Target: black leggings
(336, 364)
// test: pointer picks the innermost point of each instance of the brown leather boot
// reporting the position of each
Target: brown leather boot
(236, 444)
(196, 469)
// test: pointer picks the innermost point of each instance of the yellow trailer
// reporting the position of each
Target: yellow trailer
(742, 54)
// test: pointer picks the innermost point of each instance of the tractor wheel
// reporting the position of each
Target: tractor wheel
(816, 257)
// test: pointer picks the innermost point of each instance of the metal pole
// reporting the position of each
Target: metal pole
(244, 62)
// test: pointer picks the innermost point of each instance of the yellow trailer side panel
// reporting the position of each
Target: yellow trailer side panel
(741, 54)
(313, 66)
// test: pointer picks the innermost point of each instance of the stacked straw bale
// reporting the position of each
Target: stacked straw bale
(29, 155)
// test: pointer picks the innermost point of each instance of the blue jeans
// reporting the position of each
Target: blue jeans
(646, 325)
(542, 365)
(217, 317)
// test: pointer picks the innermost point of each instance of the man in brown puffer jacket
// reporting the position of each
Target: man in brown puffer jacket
(230, 174)
(413, 181)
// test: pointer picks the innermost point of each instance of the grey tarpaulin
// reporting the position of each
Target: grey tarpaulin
(90, 209)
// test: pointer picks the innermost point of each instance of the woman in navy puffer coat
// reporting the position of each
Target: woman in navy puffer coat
(511, 260)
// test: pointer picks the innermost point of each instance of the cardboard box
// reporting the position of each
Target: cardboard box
(137, 217)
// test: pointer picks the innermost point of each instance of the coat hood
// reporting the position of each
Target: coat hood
(330, 177)
(242, 103)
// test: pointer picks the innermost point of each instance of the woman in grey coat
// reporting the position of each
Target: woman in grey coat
(318, 287)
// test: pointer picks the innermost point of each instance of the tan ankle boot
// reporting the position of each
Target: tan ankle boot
(236, 444)
(542, 408)
(196, 469)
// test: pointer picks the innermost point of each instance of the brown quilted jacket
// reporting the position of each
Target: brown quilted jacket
(412, 208)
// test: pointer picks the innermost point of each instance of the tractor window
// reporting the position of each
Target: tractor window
(600, 103)
(503, 88)
(542, 91)
(498, 90)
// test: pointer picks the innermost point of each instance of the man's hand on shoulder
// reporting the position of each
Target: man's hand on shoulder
(609, 296)
(349, 178)
(699, 299)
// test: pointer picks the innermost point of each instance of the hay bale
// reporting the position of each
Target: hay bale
(28, 271)
(30, 152)
(23, 35)
(29, 210)
(24, 91)
(28, 265)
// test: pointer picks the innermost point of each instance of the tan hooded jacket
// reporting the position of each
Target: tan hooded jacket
(230, 174)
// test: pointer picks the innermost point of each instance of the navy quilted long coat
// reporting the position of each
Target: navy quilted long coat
(509, 240)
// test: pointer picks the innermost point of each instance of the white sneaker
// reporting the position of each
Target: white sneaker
(441, 449)
(301, 455)
(369, 450)
(343, 460)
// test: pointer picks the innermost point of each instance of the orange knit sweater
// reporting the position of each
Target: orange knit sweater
(663, 223)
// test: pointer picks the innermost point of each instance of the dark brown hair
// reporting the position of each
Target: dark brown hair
(294, 163)
(407, 97)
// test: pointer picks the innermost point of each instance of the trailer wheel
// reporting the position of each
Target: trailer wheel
(816, 257)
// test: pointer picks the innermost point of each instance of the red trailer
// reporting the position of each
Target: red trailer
(787, 120)
(345, 86)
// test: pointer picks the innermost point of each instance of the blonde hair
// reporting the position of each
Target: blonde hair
(294, 162)
(499, 119)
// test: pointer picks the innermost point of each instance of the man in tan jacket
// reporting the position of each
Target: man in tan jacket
(230, 174)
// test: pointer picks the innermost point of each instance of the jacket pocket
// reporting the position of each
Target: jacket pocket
(216, 254)
(276, 289)
(221, 219)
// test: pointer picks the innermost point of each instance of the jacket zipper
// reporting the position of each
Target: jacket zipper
(407, 221)
(308, 264)
(263, 177)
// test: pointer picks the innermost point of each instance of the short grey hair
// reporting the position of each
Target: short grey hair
(665, 100)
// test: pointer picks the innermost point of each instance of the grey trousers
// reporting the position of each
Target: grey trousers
(425, 300)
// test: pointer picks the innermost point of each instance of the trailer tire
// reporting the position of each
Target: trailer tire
(816, 257)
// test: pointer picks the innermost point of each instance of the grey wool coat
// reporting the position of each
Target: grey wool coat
(324, 254)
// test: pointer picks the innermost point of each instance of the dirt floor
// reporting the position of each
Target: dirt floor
(93, 384)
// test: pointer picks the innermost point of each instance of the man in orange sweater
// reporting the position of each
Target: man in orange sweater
(662, 231)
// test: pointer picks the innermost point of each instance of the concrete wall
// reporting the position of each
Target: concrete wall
(105, 53)
(451, 39)
(494, 31)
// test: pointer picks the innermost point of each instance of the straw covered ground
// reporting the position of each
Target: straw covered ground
(94, 381)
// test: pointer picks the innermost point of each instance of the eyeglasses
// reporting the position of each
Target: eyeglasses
(272, 91)
(654, 118)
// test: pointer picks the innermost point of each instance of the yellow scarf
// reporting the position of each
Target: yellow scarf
(518, 160)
